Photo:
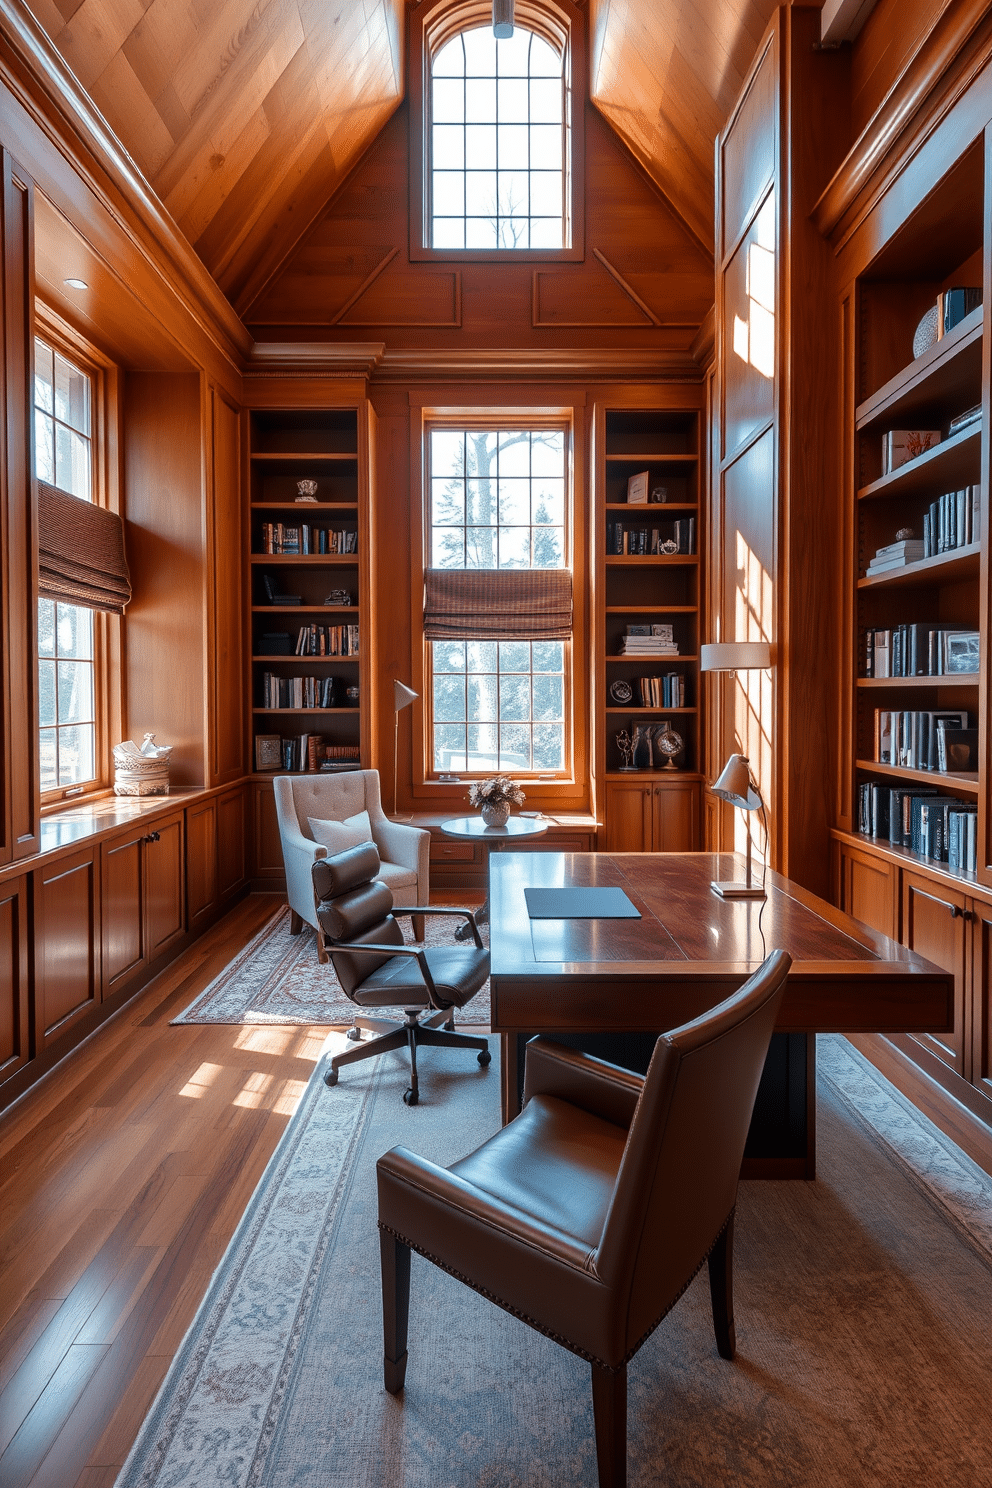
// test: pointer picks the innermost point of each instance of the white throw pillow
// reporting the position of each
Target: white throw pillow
(338, 836)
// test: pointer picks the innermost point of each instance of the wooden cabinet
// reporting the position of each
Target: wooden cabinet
(201, 863)
(232, 844)
(67, 959)
(653, 816)
(267, 868)
(867, 886)
(309, 657)
(648, 618)
(935, 920)
(15, 1033)
(143, 908)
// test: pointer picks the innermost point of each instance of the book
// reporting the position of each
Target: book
(637, 489)
(899, 446)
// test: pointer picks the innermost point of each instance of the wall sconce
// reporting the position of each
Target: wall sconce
(403, 696)
(502, 19)
(735, 656)
(738, 786)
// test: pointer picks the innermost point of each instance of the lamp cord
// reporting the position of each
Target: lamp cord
(764, 875)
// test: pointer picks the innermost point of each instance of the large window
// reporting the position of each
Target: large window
(498, 143)
(498, 501)
(63, 398)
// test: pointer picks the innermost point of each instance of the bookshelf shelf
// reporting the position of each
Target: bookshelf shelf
(959, 563)
(953, 462)
(648, 809)
(327, 445)
(964, 781)
(960, 679)
(941, 381)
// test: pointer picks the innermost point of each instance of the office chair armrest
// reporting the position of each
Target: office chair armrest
(427, 909)
(427, 1205)
(603, 1089)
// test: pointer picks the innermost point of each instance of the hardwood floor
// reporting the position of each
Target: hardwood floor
(122, 1178)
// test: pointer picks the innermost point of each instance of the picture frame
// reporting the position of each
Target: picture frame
(268, 751)
(637, 489)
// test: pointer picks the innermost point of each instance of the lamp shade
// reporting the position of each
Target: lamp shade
(734, 656)
(403, 696)
(736, 785)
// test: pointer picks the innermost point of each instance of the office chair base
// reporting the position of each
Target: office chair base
(437, 1029)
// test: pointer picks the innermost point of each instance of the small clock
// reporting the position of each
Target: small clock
(621, 691)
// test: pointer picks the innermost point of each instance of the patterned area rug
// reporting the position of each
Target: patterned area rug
(862, 1304)
(278, 979)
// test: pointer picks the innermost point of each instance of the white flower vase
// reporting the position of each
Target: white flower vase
(496, 815)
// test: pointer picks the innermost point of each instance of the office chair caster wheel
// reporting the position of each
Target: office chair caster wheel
(331, 1078)
(485, 1058)
(355, 1034)
(411, 1097)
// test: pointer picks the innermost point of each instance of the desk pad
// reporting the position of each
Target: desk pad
(580, 904)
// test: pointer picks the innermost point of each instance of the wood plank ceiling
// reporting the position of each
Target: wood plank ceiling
(247, 115)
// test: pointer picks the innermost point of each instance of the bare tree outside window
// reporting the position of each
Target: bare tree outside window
(498, 501)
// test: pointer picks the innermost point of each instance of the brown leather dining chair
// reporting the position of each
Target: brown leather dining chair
(589, 1214)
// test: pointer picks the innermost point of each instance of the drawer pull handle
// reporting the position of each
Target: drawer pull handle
(152, 837)
(956, 912)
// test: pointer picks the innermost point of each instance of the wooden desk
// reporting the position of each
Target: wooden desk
(689, 950)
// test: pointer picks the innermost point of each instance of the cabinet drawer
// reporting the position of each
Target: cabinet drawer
(451, 852)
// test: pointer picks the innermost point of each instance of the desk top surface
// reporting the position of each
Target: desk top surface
(685, 929)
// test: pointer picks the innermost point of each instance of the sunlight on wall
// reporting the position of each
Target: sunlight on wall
(752, 690)
(754, 338)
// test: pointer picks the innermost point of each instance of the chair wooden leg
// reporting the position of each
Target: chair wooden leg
(609, 1407)
(295, 922)
(395, 1258)
(721, 1264)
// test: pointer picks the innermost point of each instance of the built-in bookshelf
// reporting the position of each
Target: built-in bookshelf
(648, 579)
(308, 606)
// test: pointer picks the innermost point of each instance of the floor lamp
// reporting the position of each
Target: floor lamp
(736, 783)
(403, 696)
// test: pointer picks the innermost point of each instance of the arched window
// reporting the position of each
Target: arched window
(498, 143)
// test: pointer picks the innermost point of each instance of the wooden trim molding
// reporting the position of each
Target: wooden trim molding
(951, 57)
(558, 364)
(44, 85)
(314, 358)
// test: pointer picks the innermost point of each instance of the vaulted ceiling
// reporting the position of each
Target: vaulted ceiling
(247, 115)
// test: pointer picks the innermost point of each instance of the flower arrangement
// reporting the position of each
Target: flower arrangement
(499, 790)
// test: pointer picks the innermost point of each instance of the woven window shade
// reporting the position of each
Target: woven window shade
(497, 604)
(80, 552)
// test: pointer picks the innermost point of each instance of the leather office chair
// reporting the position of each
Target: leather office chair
(355, 909)
(404, 850)
(589, 1214)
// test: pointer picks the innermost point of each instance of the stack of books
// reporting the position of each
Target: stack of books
(897, 555)
(917, 740)
(940, 828)
(953, 521)
(921, 650)
(649, 640)
(662, 692)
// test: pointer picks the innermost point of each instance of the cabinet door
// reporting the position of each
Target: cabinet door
(67, 944)
(15, 1047)
(868, 889)
(164, 921)
(675, 816)
(933, 922)
(628, 817)
(981, 997)
(123, 920)
(230, 842)
(201, 862)
(266, 856)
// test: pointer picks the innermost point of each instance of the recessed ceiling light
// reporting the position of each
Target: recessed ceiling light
(76, 283)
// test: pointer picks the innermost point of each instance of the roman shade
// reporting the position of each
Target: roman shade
(80, 552)
(497, 604)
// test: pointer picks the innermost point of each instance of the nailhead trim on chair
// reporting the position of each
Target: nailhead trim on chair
(539, 1327)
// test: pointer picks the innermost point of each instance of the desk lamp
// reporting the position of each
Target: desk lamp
(403, 696)
(738, 786)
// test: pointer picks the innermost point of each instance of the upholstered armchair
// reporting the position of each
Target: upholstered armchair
(338, 801)
(589, 1214)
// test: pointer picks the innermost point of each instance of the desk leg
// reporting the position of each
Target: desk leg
(509, 1088)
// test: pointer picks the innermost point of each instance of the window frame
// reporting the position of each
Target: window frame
(431, 27)
(567, 788)
(105, 488)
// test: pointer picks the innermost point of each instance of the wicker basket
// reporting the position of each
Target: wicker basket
(144, 771)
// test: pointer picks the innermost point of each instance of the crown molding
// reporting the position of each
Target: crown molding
(949, 60)
(703, 347)
(48, 90)
(314, 358)
(583, 364)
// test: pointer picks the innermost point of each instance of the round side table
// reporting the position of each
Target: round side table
(474, 829)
